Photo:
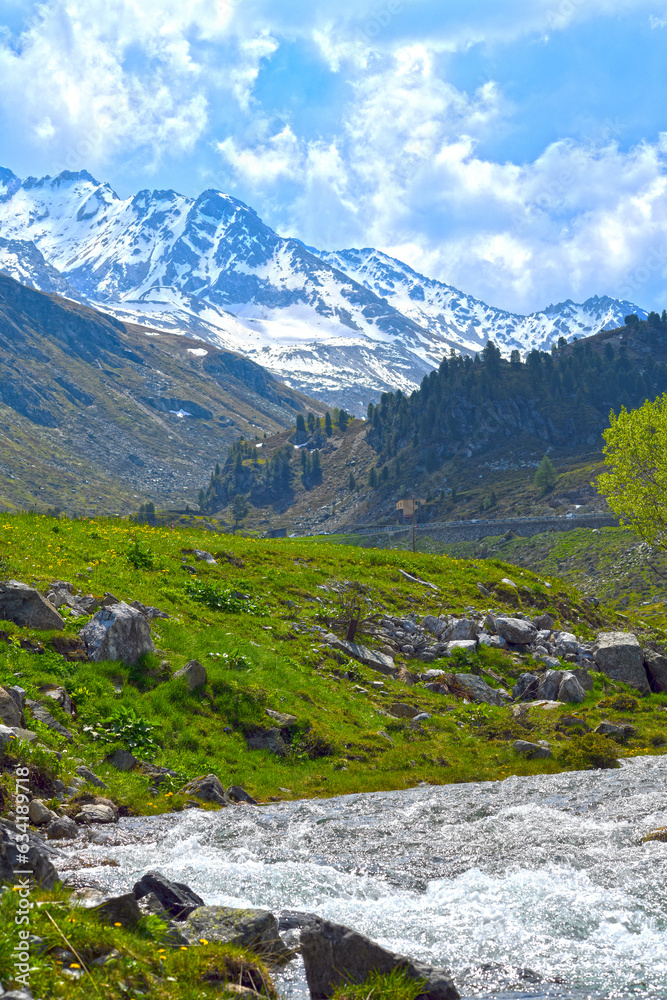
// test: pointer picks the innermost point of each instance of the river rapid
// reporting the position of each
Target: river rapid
(529, 887)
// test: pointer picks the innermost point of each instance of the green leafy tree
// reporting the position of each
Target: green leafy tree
(239, 506)
(546, 475)
(635, 485)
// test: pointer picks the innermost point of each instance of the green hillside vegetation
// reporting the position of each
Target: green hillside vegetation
(261, 653)
(562, 399)
(98, 416)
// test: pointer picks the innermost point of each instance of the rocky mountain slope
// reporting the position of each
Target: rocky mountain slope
(96, 414)
(343, 327)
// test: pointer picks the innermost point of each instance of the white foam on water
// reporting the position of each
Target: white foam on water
(546, 873)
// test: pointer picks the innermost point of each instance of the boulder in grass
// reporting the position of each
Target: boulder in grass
(122, 760)
(531, 751)
(267, 739)
(656, 668)
(194, 674)
(118, 633)
(245, 928)
(208, 788)
(10, 713)
(570, 689)
(478, 690)
(37, 859)
(238, 794)
(334, 955)
(620, 657)
(516, 631)
(25, 606)
(42, 715)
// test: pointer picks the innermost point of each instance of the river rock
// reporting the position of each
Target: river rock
(334, 955)
(178, 900)
(42, 715)
(238, 794)
(38, 813)
(110, 910)
(62, 828)
(532, 751)
(570, 689)
(25, 606)
(118, 633)
(98, 812)
(194, 674)
(10, 714)
(478, 690)
(208, 788)
(381, 662)
(619, 656)
(656, 668)
(246, 928)
(37, 859)
(267, 739)
(516, 631)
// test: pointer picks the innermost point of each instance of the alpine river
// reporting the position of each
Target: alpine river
(529, 887)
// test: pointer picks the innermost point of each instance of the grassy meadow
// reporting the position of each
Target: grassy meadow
(259, 653)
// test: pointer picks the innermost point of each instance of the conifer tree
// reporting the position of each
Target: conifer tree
(545, 477)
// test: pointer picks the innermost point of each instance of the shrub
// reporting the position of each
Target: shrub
(220, 598)
(585, 753)
(140, 557)
(125, 727)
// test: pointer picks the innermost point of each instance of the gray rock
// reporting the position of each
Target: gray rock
(570, 689)
(10, 714)
(200, 555)
(149, 612)
(109, 600)
(208, 788)
(656, 668)
(37, 859)
(118, 633)
(532, 751)
(7, 736)
(246, 928)
(549, 685)
(584, 678)
(402, 711)
(122, 760)
(612, 731)
(566, 642)
(516, 631)
(371, 658)
(62, 828)
(97, 812)
(544, 622)
(25, 606)
(111, 909)
(90, 776)
(469, 645)
(238, 794)
(178, 900)
(461, 628)
(194, 674)
(38, 813)
(267, 739)
(40, 713)
(619, 656)
(436, 626)
(282, 719)
(408, 649)
(478, 690)
(18, 694)
(60, 696)
(334, 955)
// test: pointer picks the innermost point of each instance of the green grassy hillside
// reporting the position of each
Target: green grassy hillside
(263, 653)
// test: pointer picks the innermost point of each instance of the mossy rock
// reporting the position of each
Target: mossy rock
(660, 834)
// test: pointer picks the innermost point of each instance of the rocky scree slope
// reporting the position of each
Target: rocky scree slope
(96, 413)
(342, 327)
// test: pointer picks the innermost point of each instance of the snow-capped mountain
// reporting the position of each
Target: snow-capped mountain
(342, 326)
(445, 311)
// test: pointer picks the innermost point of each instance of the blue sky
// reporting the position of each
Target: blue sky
(514, 148)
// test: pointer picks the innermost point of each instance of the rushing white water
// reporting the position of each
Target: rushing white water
(543, 873)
